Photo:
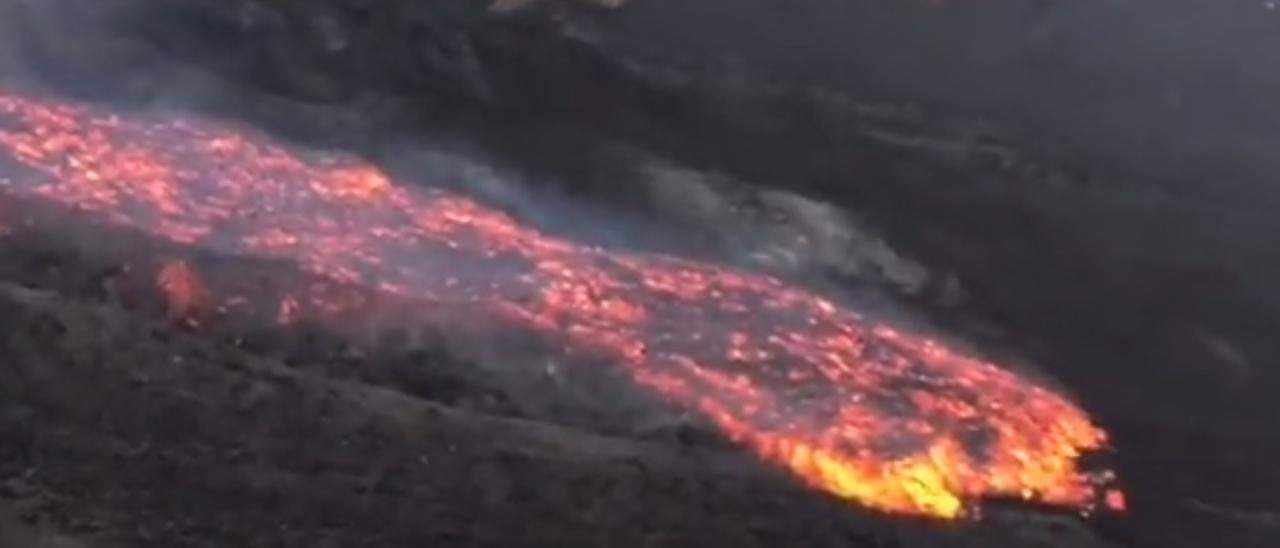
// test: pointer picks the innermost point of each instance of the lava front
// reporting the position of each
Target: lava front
(885, 418)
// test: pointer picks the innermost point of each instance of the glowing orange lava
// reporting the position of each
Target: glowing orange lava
(891, 420)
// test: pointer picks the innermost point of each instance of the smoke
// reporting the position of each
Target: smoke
(651, 202)
(1172, 89)
(1163, 108)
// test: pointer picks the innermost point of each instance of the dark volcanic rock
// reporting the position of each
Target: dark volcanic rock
(207, 445)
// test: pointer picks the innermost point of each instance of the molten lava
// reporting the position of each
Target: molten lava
(891, 420)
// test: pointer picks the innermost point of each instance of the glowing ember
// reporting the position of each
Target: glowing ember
(1116, 500)
(891, 420)
(288, 310)
(182, 289)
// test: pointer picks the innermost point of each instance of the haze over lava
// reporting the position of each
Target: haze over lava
(891, 420)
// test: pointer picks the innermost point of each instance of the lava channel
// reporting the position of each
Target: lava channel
(864, 411)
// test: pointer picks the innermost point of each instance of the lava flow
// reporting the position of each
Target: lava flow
(888, 419)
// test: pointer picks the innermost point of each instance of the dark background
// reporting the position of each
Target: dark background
(1179, 89)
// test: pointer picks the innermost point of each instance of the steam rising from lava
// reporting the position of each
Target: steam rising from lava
(894, 421)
